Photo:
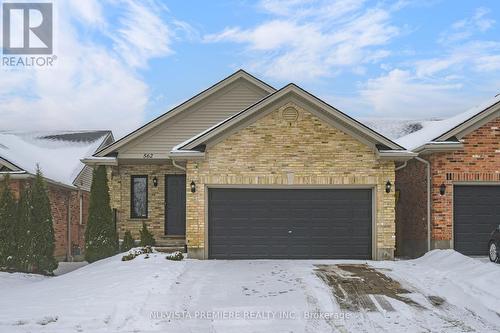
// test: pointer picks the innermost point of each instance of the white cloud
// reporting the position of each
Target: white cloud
(400, 94)
(465, 28)
(91, 86)
(464, 73)
(142, 34)
(310, 39)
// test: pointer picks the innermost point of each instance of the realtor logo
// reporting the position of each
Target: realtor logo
(27, 28)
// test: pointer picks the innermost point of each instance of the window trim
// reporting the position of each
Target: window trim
(132, 213)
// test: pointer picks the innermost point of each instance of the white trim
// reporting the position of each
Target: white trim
(92, 161)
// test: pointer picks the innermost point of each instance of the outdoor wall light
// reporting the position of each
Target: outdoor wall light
(442, 189)
(388, 187)
(193, 186)
(155, 181)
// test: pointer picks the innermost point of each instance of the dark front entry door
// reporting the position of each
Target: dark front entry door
(175, 194)
(290, 223)
(476, 213)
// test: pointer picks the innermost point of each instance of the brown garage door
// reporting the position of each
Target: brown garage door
(290, 223)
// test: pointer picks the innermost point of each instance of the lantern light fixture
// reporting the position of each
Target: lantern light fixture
(442, 189)
(388, 187)
(193, 187)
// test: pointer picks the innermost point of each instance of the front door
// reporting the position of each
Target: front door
(175, 205)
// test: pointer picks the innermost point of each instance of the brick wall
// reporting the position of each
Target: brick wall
(308, 152)
(120, 186)
(411, 210)
(479, 161)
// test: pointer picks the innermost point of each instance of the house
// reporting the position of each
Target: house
(449, 196)
(243, 170)
(68, 180)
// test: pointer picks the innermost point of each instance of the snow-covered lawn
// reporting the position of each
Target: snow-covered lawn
(158, 295)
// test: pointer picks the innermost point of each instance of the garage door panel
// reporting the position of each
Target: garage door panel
(298, 223)
(476, 212)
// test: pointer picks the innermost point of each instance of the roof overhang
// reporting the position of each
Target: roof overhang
(396, 155)
(10, 165)
(438, 147)
(321, 109)
(186, 155)
(93, 161)
(473, 123)
(26, 175)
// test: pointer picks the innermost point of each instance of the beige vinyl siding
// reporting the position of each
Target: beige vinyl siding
(159, 142)
(84, 179)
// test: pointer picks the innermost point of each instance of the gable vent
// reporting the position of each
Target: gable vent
(290, 114)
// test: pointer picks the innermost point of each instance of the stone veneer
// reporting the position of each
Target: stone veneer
(119, 184)
(272, 151)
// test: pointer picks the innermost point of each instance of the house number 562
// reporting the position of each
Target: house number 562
(148, 155)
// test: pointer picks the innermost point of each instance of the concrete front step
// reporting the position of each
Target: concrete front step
(170, 249)
(169, 241)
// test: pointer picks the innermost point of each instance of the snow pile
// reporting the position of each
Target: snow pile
(59, 158)
(108, 295)
(460, 280)
(476, 278)
(435, 129)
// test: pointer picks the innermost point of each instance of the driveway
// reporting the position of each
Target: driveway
(304, 296)
(443, 291)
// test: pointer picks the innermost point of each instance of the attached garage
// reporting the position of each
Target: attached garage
(289, 223)
(476, 210)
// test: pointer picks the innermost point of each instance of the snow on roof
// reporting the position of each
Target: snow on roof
(435, 129)
(395, 128)
(57, 153)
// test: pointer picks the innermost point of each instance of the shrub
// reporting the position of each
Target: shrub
(137, 252)
(176, 256)
(101, 239)
(8, 214)
(128, 242)
(147, 238)
(23, 233)
(43, 239)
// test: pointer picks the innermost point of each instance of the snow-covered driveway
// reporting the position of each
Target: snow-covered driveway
(441, 292)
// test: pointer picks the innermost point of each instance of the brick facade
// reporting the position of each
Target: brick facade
(120, 187)
(58, 197)
(477, 162)
(272, 151)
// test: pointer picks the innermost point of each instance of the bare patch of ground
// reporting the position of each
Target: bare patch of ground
(360, 287)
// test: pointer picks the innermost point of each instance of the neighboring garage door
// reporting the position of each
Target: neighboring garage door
(476, 211)
(290, 223)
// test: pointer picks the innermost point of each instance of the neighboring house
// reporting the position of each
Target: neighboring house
(58, 154)
(459, 161)
(243, 170)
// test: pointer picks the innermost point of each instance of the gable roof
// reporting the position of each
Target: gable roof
(240, 74)
(442, 132)
(345, 122)
(57, 153)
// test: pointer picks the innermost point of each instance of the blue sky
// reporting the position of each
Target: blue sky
(123, 62)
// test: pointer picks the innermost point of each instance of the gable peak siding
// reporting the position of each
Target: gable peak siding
(216, 108)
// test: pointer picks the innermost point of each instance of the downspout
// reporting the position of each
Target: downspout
(68, 207)
(428, 176)
(402, 166)
(174, 163)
